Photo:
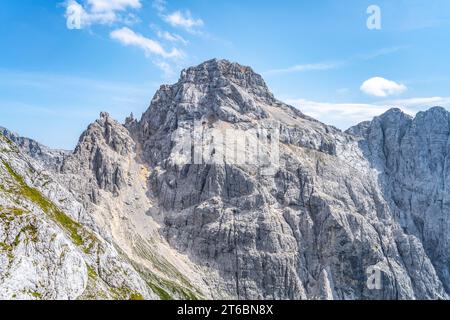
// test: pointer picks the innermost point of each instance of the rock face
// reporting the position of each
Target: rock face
(222, 191)
(411, 156)
(107, 175)
(310, 230)
(49, 247)
(51, 158)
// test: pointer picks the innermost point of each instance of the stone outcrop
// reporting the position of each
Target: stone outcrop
(51, 158)
(411, 156)
(49, 247)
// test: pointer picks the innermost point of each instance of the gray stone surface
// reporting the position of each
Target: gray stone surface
(49, 245)
(51, 158)
(411, 156)
(336, 204)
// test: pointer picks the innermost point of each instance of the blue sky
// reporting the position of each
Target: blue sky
(57, 73)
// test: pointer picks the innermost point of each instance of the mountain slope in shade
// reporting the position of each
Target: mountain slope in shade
(411, 155)
(308, 220)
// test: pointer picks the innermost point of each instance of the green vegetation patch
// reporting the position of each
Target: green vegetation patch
(6, 216)
(136, 296)
(30, 231)
(32, 194)
(8, 249)
(12, 145)
(5, 247)
(125, 293)
(162, 294)
(164, 288)
(36, 295)
(91, 272)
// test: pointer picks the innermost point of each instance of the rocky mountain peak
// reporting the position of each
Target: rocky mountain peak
(216, 90)
(393, 118)
(219, 73)
(394, 112)
(432, 120)
(435, 115)
(102, 150)
(106, 131)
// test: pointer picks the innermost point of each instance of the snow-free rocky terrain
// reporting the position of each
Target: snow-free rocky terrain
(127, 215)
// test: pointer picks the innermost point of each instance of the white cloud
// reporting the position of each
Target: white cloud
(169, 36)
(420, 102)
(78, 18)
(177, 18)
(306, 67)
(345, 115)
(172, 37)
(341, 115)
(128, 37)
(380, 87)
(89, 12)
(183, 20)
(113, 5)
(99, 12)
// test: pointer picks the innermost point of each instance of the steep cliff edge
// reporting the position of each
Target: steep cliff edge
(411, 155)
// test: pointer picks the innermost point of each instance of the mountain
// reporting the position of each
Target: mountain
(49, 246)
(51, 158)
(222, 191)
(410, 155)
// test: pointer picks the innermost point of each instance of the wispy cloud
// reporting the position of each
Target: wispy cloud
(178, 18)
(306, 67)
(172, 37)
(345, 115)
(380, 52)
(80, 16)
(183, 20)
(128, 37)
(169, 36)
(52, 83)
(330, 65)
(166, 68)
(381, 87)
(341, 115)
(419, 103)
(113, 5)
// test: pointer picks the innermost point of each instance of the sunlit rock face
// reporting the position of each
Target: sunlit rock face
(50, 247)
(222, 191)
